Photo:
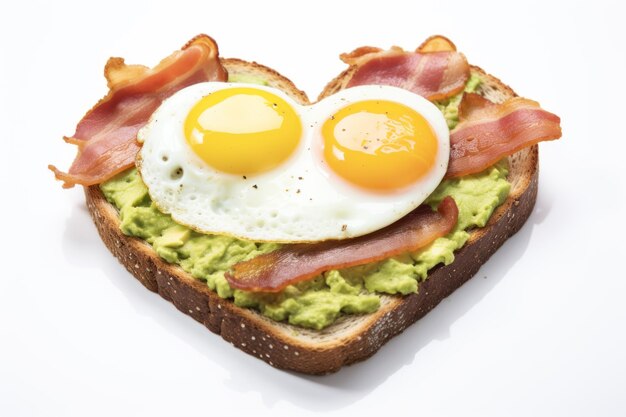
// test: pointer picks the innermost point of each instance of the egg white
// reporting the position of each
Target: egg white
(301, 200)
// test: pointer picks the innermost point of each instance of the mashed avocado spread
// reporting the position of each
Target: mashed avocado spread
(319, 302)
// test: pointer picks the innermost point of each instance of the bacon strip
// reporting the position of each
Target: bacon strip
(106, 135)
(435, 71)
(487, 132)
(436, 43)
(295, 263)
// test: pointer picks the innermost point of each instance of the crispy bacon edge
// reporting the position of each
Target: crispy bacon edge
(291, 264)
(488, 132)
(106, 135)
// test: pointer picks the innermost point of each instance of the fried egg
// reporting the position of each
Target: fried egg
(248, 161)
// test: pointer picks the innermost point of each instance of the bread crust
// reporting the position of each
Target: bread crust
(351, 338)
(236, 66)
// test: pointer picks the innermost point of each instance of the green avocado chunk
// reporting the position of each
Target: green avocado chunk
(247, 79)
(319, 302)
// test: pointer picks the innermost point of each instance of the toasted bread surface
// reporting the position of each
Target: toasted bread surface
(351, 338)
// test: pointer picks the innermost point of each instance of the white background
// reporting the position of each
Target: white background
(541, 330)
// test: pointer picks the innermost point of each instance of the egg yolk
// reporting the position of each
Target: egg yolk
(243, 130)
(379, 145)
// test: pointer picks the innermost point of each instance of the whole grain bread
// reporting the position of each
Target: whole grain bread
(351, 338)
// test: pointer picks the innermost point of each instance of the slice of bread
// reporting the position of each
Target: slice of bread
(351, 338)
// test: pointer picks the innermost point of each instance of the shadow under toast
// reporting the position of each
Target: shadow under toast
(315, 393)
